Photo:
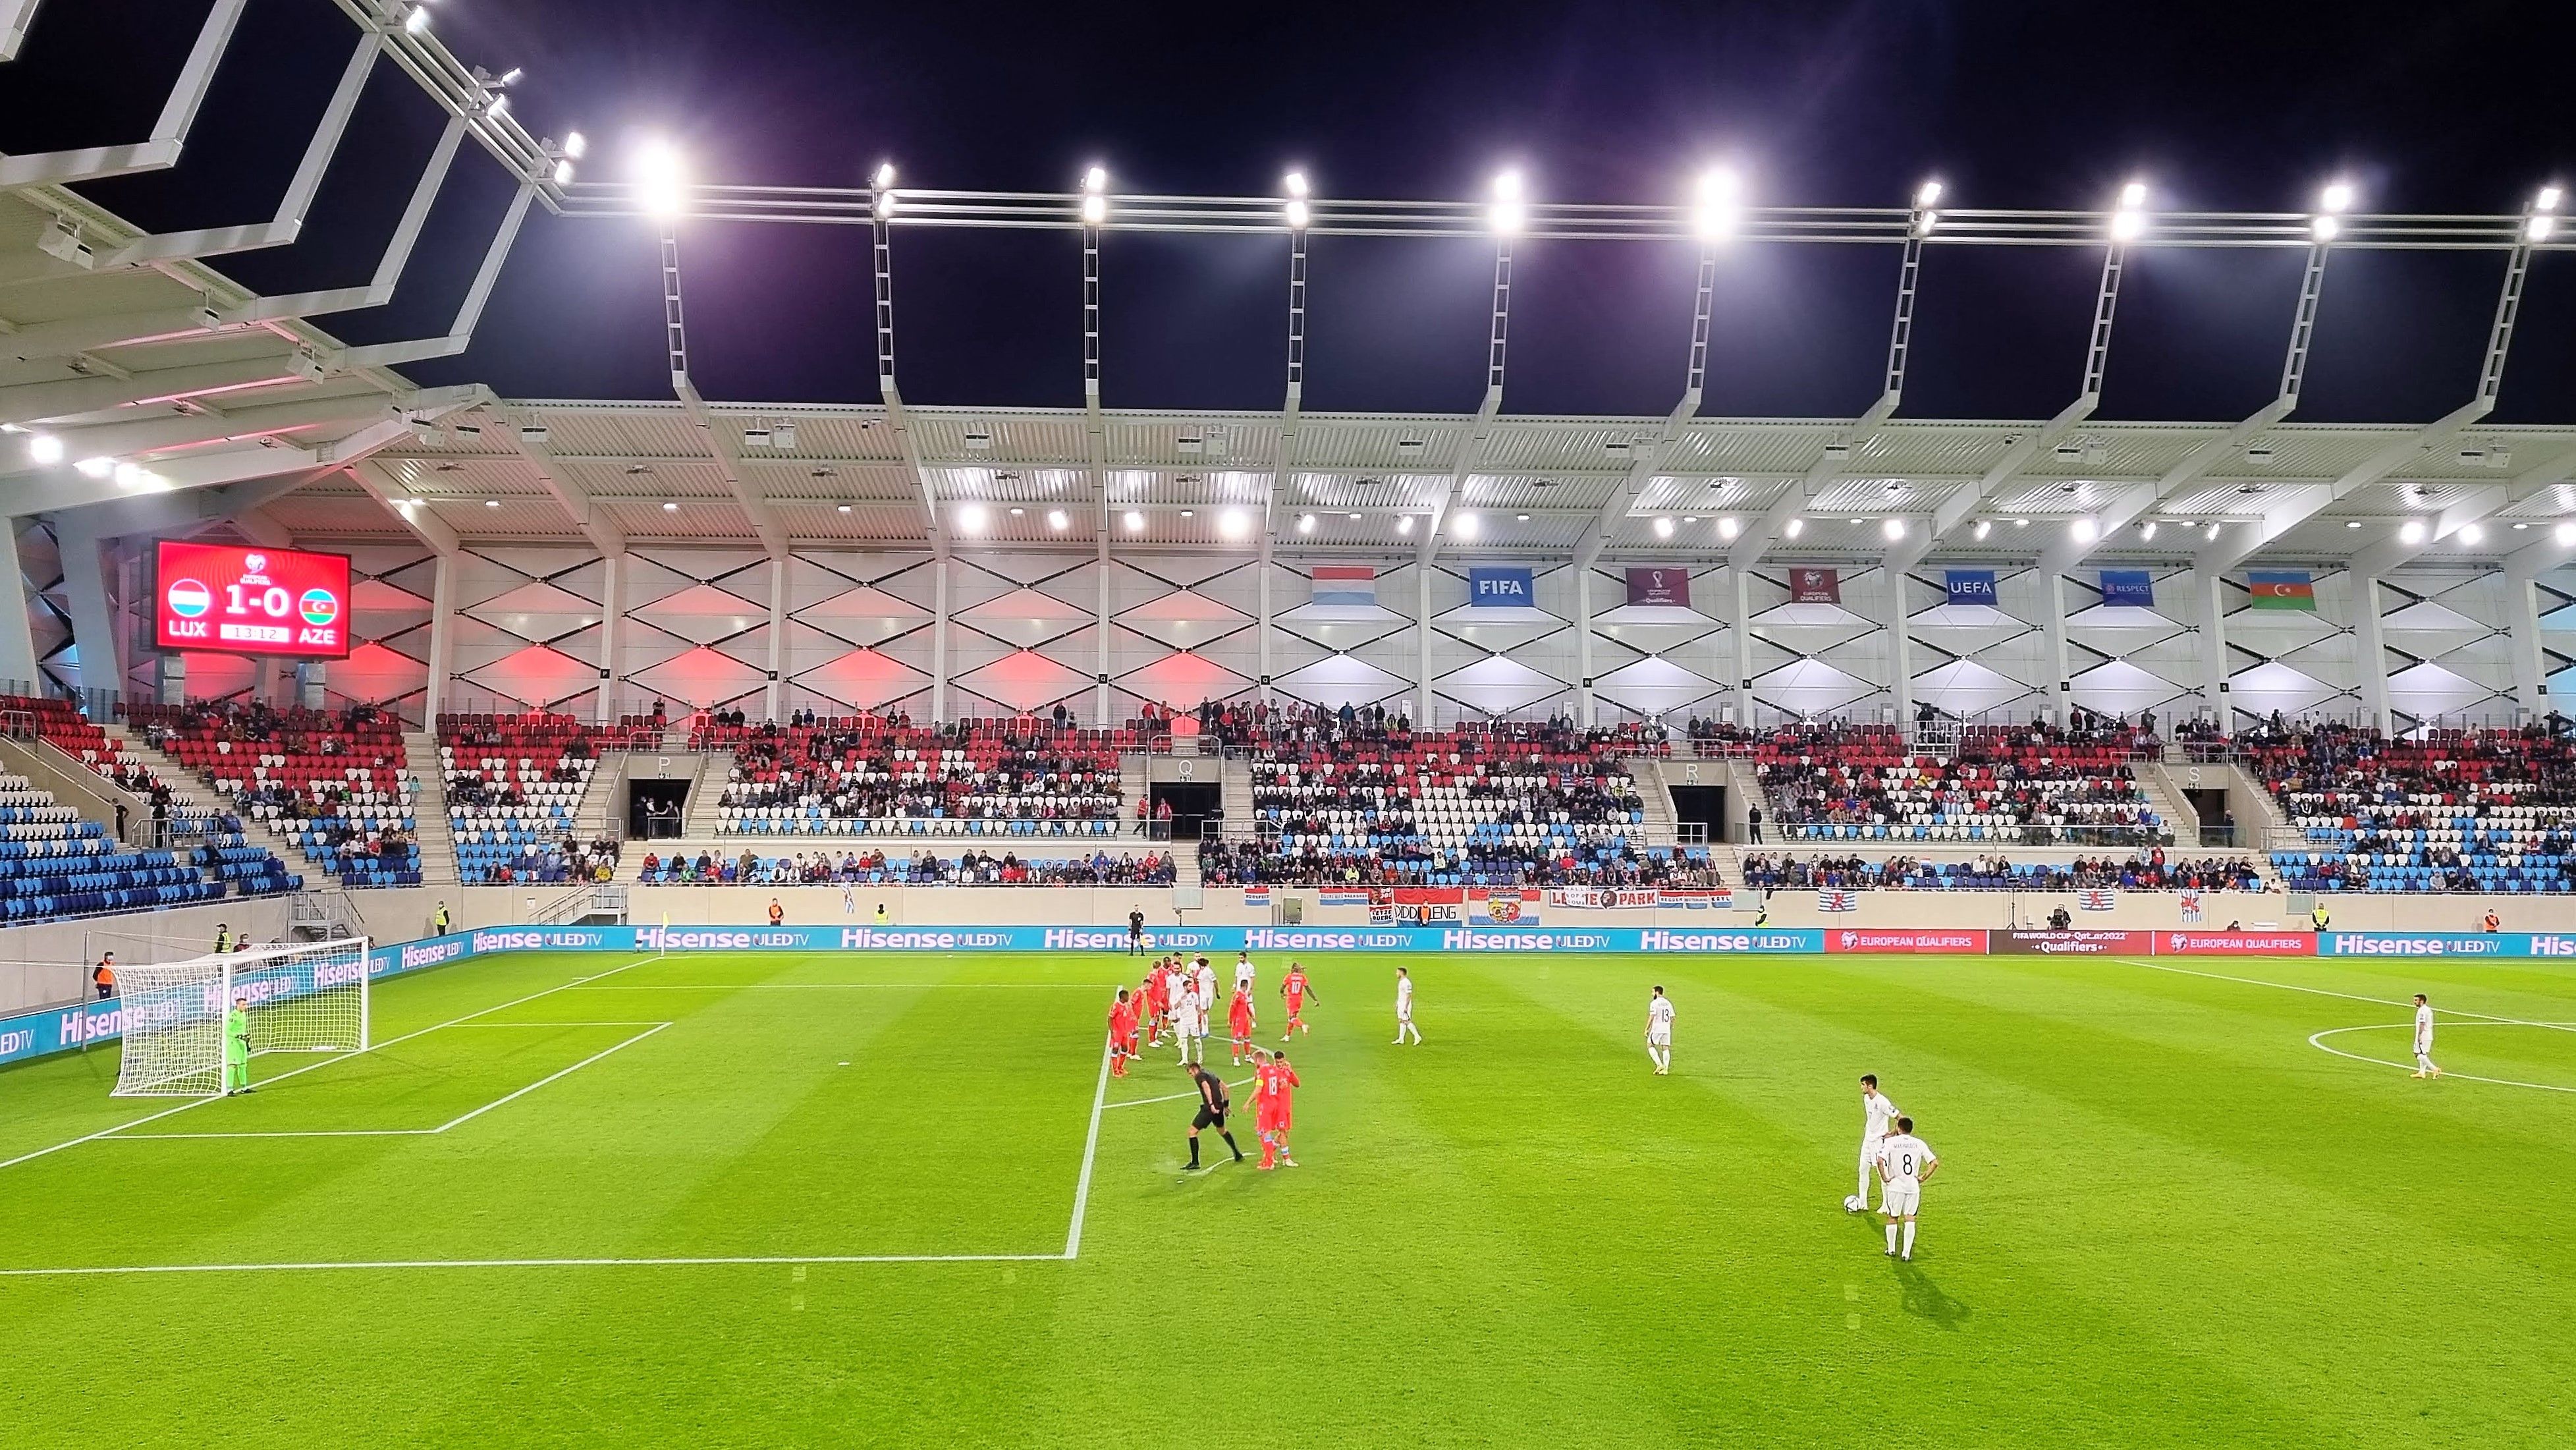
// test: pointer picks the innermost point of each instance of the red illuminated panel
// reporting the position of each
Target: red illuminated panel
(232, 600)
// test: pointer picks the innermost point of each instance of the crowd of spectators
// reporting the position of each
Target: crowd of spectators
(2448, 811)
(818, 868)
(2033, 784)
(334, 782)
(873, 773)
(2149, 872)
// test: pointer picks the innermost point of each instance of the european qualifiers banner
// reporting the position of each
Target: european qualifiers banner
(1815, 586)
(1660, 586)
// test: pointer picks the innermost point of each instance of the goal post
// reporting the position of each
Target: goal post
(311, 997)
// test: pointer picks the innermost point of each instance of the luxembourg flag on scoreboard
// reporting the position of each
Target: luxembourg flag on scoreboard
(1352, 584)
(1837, 901)
(2094, 898)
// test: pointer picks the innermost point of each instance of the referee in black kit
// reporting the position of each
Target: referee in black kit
(1212, 1106)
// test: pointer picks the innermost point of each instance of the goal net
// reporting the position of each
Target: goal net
(305, 998)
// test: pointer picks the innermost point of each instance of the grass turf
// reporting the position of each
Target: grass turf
(2163, 1218)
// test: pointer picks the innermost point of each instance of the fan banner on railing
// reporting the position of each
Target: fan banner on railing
(1502, 906)
(1256, 896)
(1837, 901)
(1351, 584)
(1691, 899)
(2190, 908)
(1660, 584)
(2094, 898)
(2129, 588)
(1416, 905)
(1970, 586)
(1500, 589)
(2281, 589)
(1342, 896)
(1602, 898)
(1815, 586)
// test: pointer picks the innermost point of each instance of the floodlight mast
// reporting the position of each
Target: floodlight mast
(1284, 458)
(1509, 213)
(1095, 426)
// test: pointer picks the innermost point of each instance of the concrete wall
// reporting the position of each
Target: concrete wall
(49, 962)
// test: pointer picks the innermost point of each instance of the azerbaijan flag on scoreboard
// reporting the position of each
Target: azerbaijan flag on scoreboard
(2281, 589)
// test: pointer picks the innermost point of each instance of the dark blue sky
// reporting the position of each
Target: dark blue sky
(2452, 108)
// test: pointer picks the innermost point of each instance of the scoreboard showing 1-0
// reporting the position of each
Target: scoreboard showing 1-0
(233, 600)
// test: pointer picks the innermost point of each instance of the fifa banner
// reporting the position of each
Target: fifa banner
(1348, 584)
(2281, 589)
(1662, 585)
(2129, 588)
(1502, 906)
(1970, 586)
(1500, 589)
(1815, 586)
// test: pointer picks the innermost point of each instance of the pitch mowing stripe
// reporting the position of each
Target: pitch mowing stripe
(2321, 992)
(326, 1062)
(700, 1260)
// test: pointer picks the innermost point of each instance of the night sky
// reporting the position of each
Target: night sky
(2455, 108)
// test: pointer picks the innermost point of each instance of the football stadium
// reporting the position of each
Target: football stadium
(715, 741)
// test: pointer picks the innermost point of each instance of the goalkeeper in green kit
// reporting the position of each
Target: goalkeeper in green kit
(237, 1047)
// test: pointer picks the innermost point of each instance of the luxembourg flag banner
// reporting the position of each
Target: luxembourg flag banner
(2093, 898)
(2281, 589)
(1837, 901)
(2128, 588)
(1346, 584)
(1971, 586)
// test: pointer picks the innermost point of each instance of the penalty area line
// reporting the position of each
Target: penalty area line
(1090, 1151)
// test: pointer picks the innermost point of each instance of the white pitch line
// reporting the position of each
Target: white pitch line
(1090, 1148)
(845, 986)
(2322, 992)
(550, 1077)
(2547, 1087)
(704, 1260)
(1170, 1097)
(296, 1072)
(280, 1133)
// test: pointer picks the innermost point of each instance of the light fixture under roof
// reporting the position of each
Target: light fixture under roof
(2412, 532)
(843, 508)
(44, 449)
(1057, 520)
(669, 507)
(1663, 528)
(1404, 525)
(1727, 528)
(1134, 521)
(1794, 528)
(1520, 518)
(1463, 526)
(1306, 524)
(1985, 527)
(972, 518)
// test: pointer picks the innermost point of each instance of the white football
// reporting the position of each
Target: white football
(1854, 1204)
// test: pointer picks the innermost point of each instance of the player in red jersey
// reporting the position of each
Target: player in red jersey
(1296, 989)
(1273, 1102)
(1238, 1021)
(1122, 1033)
(1158, 1002)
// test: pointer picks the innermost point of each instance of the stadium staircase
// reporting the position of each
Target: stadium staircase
(1663, 824)
(1234, 792)
(432, 828)
(706, 793)
(1744, 788)
(76, 785)
(2260, 822)
(592, 820)
(188, 794)
(2169, 803)
(1135, 783)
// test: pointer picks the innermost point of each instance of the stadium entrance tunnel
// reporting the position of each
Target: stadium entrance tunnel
(1193, 806)
(655, 808)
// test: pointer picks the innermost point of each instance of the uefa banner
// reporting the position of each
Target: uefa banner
(1967, 942)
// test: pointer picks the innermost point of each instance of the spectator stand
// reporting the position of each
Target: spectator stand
(2443, 811)
(514, 788)
(335, 784)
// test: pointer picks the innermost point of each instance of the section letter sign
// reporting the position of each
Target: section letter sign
(2129, 588)
(279, 602)
(1500, 589)
(1660, 585)
(1971, 586)
(1815, 586)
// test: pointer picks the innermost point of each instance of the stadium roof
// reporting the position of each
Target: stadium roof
(211, 404)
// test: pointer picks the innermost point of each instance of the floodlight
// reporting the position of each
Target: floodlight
(887, 202)
(1794, 528)
(1298, 216)
(2565, 533)
(1096, 180)
(1663, 528)
(1509, 211)
(2336, 197)
(1295, 181)
(563, 173)
(2548, 199)
(1056, 520)
(129, 474)
(1727, 528)
(1893, 529)
(661, 180)
(1233, 524)
(2147, 530)
(1095, 210)
(843, 508)
(1018, 512)
(2021, 523)
(1718, 190)
(2085, 531)
(884, 178)
(1306, 524)
(1134, 521)
(2352, 523)
(1984, 527)
(511, 76)
(1927, 194)
(1404, 525)
(2323, 228)
(2539, 228)
(2472, 534)
(2133, 195)
(1464, 526)
(417, 21)
(971, 518)
(1925, 222)
(44, 448)
(2127, 225)
(96, 467)
(500, 106)
(670, 508)
(2412, 533)
(1507, 186)
(576, 144)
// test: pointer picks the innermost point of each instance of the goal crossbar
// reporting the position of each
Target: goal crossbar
(179, 1029)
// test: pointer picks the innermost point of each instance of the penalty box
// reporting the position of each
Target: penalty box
(616, 1137)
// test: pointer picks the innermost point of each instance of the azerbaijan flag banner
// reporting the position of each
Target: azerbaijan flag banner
(2281, 589)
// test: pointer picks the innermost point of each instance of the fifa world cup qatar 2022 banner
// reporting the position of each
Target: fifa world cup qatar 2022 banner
(232, 600)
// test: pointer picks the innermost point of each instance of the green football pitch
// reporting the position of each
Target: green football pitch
(844, 1199)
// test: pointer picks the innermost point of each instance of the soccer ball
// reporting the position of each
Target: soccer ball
(1855, 1204)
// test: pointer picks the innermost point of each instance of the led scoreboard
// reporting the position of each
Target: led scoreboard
(253, 601)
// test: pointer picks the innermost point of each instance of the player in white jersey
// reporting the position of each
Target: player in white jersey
(1659, 1032)
(1243, 972)
(1203, 978)
(1189, 1021)
(1876, 1112)
(2425, 1066)
(1905, 1164)
(1404, 1009)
